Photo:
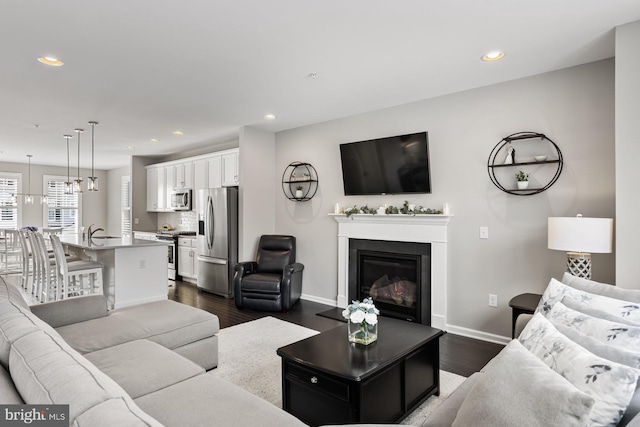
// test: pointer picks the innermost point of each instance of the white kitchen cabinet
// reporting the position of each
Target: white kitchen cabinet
(200, 174)
(170, 183)
(187, 258)
(184, 176)
(214, 166)
(230, 169)
(156, 189)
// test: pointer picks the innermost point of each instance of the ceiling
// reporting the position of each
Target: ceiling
(144, 69)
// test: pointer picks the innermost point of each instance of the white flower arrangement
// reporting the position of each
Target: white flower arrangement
(363, 313)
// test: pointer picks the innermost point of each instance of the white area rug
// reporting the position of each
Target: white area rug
(247, 358)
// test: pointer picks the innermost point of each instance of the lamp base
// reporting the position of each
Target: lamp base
(579, 264)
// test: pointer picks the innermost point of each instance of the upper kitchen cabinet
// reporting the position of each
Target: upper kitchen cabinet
(184, 175)
(156, 189)
(230, 168)
(214, 166)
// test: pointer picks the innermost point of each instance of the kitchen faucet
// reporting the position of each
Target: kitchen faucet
(90, 232)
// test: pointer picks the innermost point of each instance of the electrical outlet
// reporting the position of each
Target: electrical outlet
(143, 263)
(484, 232)
(493, 300)
(136, 221)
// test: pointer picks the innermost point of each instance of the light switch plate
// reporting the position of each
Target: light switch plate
(484, 232)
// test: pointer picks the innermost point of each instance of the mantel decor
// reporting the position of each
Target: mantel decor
(406, 209)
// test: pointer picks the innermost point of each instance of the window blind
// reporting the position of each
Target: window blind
(125, 224)
(8, 208)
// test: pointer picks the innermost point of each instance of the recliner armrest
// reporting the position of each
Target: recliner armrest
(72, 310)
(244, 268)
(290, 269)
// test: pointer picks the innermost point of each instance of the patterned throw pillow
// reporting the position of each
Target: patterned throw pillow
(612, 333)
(557, 291)
(610, 384)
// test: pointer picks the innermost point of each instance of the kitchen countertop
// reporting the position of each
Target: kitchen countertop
(108, 243)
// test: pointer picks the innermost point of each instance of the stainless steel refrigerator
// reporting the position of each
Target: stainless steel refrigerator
(217, 210)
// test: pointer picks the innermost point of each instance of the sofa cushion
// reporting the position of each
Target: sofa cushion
(606, 331)
(8, 393)
(557, 291)
(598, 288)
(446, 413)
(115, 412)
(12, 293)
(141, 367)
(206, 400)
(167, 323)
(519, 389)
(46, 370)
(610, 383)
(72, 310)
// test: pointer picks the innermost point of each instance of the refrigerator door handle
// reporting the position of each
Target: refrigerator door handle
(212, 260)
(209, 221)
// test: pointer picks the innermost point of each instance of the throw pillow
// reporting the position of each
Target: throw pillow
(520, 390)
(609, 383)
(594, 312)
(612, 333)
(557, 291)
(605, 289)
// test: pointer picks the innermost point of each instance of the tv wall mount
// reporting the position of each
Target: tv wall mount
(504, 155)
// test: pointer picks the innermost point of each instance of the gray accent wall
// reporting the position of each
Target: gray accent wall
(574, 107)
(627, 153)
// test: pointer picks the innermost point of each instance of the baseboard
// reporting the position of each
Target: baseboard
(479, 335)
(324, 301)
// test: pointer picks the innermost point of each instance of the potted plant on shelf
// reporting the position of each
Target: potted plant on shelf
(299, 194)
(523, 180)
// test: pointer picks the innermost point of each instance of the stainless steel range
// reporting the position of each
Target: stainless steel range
(172, 249)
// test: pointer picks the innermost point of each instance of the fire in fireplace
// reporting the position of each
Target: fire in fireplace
(396, 275)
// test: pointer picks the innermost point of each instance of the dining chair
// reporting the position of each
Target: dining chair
(27, 261)
(71, 275)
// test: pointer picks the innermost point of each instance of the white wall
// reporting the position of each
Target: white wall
(114, 197)
(574, 107)
(93, 203)
(627, 153)
(257, 192)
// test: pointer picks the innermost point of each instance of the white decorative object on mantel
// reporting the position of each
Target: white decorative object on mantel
(400, 228)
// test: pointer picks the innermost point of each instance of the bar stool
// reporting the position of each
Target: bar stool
(27, 260)
(11, 252)
(70, 274)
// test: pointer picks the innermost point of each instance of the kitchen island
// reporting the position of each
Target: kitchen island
(135, 271)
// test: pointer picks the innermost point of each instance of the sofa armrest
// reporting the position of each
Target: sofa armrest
(72, 310)
(521, 322)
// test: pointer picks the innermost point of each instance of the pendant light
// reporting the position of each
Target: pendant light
(68, 185)
(92, 181)
(28, 198)
(77, 187)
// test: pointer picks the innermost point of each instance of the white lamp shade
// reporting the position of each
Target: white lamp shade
(580, 234)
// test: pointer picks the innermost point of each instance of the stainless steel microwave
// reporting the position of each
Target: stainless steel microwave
(181, 200)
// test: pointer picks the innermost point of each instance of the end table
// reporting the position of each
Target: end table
(522, 304)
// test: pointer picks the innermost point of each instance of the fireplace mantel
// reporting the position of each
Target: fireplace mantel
(401, 228)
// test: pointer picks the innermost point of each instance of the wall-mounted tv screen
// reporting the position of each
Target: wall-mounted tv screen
(394, 165)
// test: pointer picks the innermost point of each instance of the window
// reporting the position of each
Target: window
(10, 211)
(61, 210)
(125, 217)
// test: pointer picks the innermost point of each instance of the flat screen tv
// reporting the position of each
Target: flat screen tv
(394, 165)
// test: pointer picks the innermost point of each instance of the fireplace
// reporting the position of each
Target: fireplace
(396, 275)
(431, 229)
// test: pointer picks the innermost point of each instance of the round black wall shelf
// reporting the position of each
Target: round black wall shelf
(300, 181)
(501, 157)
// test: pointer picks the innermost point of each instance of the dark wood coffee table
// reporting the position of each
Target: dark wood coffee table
(328, 380)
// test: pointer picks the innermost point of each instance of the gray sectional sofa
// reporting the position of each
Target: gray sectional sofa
(144, 365)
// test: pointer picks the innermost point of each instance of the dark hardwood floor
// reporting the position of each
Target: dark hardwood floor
(458, 354)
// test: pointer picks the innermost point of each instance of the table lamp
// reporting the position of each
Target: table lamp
(580, 237)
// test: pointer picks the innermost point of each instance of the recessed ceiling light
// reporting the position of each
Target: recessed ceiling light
(153, 140)
(270, 116)
(50, 60)
(177, 132)
(493, 56)
(130, 148)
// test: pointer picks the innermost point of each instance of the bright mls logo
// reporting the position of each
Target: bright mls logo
(34, 415)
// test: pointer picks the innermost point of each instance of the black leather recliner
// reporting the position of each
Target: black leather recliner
(273, 282)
